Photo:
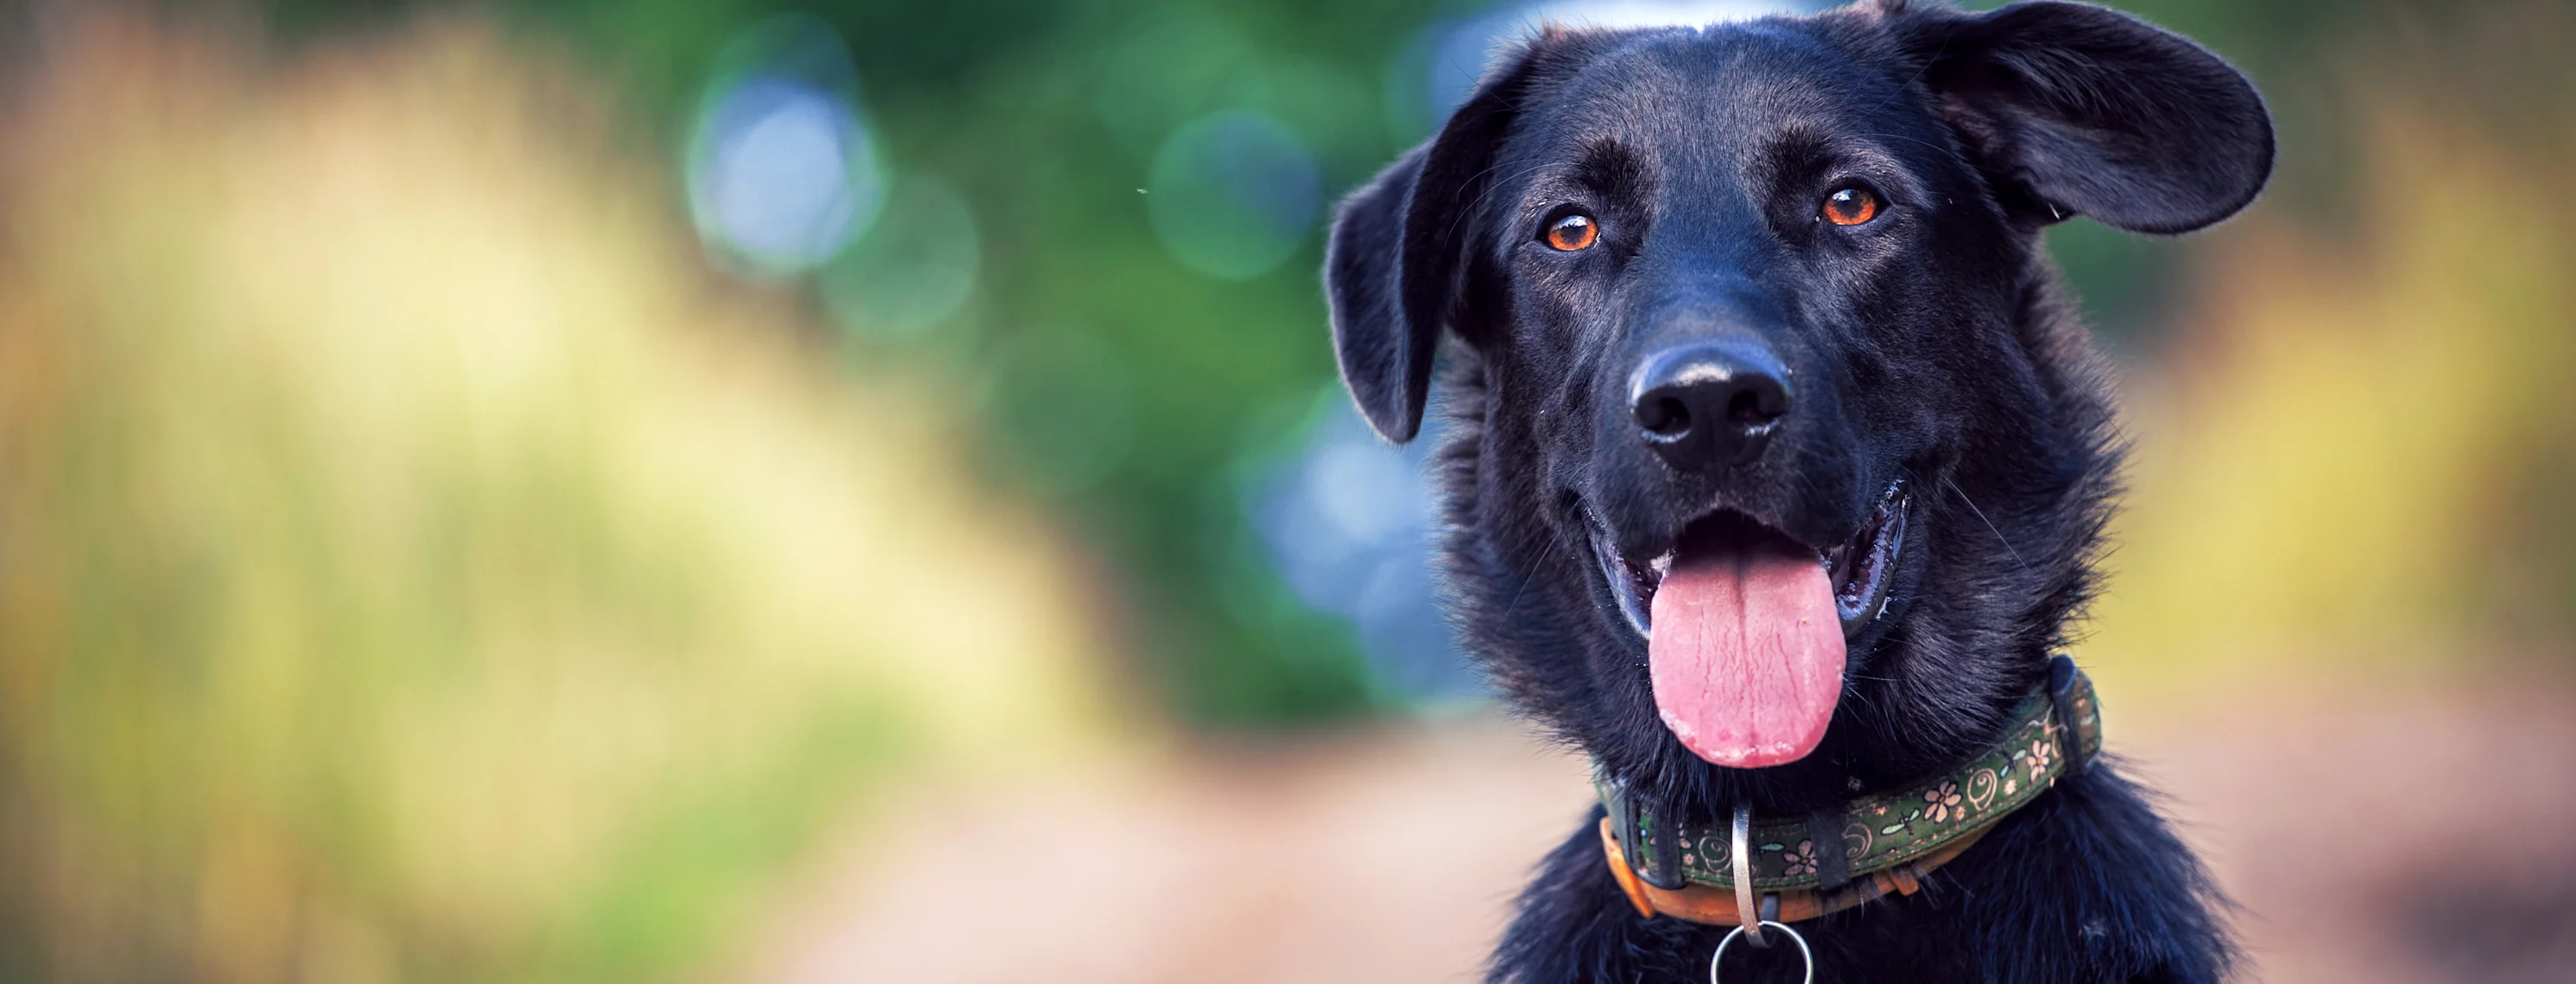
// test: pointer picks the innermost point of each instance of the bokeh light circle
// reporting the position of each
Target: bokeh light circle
(915, 267)
(1233, 194)
(1347, 521)
(782, 170)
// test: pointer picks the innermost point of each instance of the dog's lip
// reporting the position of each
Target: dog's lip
(1632, 586)
(1861, 569)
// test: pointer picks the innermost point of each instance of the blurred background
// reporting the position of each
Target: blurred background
(746, 491)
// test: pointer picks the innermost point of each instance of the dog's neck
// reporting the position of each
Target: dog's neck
(1865, 846)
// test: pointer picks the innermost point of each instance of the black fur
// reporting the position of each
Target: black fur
(1929, 345)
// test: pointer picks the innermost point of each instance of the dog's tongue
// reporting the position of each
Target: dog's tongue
(1747, 650)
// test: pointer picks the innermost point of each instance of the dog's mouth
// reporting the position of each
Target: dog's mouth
(1746, 627)
(1860, 569)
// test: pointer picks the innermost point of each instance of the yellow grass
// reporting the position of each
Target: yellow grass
(2346, 467)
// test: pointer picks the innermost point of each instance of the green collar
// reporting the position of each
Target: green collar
(1879, 832)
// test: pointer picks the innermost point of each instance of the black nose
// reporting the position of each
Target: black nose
(1708, 404)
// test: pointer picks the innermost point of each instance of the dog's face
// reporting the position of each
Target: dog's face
(1770, 438)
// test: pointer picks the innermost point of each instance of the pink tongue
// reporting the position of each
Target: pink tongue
(1746, 652)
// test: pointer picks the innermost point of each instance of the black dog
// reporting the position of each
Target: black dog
(1778, 467)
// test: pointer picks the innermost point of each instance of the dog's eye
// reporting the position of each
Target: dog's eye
(1851, 206)
(1572, 232)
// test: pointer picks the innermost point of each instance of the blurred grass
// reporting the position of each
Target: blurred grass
(412, 566)
(2356, 453)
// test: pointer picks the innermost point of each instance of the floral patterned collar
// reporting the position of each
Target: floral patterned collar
(1887, 841)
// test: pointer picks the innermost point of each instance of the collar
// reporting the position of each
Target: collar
(1887, 842)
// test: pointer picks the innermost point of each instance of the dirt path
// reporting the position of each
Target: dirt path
(2370, 840)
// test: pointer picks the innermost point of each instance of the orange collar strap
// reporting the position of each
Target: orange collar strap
(1716, 906)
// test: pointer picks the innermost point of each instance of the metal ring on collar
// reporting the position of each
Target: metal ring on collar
(1805, 955)
(1740, 858)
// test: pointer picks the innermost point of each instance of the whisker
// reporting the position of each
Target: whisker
(1555, 541)
(1990, 524)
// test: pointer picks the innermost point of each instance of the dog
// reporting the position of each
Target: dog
(1776, 469)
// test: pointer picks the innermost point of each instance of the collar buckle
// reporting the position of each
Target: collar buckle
(2067, 689)
(1663, 853)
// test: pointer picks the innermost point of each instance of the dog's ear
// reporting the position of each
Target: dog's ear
(1396, 262)
(2079, 109)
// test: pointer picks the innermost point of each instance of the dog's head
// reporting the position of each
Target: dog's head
(1766, 420)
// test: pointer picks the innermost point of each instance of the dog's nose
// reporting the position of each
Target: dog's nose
(1708, 404)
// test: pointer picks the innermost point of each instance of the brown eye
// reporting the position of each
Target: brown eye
(1851, 206)
(1572, 232)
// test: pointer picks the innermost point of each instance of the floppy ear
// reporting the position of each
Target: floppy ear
(2077, 109)
(1396, 262)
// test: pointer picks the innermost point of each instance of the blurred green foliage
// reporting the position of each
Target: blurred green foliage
(1047, 116)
